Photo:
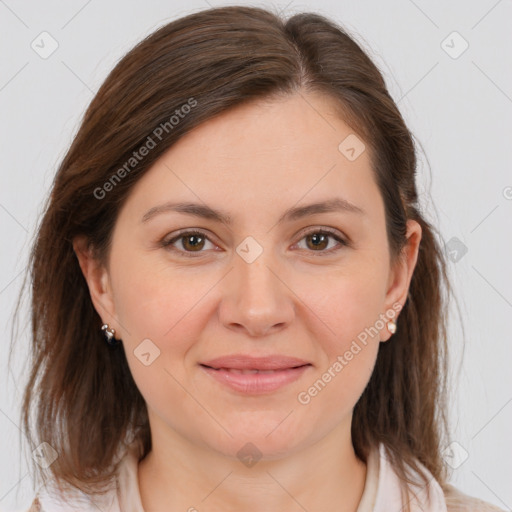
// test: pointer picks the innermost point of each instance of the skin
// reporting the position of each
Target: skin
(254, 162)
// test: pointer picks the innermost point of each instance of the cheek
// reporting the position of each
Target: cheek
(161, 316)
(348, 306)
(152, 302)
(347, 312)
(349, 347)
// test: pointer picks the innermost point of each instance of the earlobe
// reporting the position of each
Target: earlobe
(97, 278)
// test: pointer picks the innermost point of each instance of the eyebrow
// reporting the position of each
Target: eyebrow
(297, 212)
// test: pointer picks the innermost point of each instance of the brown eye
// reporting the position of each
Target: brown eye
(191, 242)
(318, 241)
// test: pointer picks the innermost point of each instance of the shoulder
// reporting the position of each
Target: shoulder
(54, 497)
(51, 500)
(457, 501)
(432, 497)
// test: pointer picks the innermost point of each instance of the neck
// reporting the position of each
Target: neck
(179, 475)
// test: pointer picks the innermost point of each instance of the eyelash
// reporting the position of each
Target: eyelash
(190, 254)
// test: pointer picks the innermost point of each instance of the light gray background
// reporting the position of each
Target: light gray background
(460, 110)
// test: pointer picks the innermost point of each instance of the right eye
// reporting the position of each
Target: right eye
(191, 242)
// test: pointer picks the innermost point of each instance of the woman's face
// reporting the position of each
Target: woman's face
(268, 283)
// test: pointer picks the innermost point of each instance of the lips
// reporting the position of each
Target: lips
(246, 372)
(255, 375)
(246, 363)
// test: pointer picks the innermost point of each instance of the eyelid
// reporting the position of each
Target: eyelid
(323, 229)
(342, 240)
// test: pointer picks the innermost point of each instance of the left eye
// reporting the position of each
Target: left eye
(193, 241)
(320, 240)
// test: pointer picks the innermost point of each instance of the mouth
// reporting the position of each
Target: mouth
(256, 378)
(253, 363)
(247, 371)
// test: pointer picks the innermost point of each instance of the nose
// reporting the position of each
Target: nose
(256, 300)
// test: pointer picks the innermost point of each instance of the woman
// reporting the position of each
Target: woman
(237, 304)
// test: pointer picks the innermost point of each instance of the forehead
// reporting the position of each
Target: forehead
(288, 127)
(261, 155)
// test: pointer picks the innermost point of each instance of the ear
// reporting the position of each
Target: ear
(401, 274)
(98, 281)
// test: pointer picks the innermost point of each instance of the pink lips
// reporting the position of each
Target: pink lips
(255, 375)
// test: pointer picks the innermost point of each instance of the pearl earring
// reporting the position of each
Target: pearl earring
(109, 336)
(391, 325)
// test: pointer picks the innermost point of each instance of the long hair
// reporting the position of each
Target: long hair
(184, 73)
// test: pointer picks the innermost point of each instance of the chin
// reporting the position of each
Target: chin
(265, 438)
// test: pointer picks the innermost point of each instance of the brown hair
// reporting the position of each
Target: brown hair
(212, 61)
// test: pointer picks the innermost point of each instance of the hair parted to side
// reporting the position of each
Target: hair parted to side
(84, 399)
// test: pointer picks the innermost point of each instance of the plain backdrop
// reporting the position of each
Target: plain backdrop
(447, 64)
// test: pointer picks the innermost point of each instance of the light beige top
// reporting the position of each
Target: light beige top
(382, 492)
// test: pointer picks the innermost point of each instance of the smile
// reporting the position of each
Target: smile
(254, 381)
